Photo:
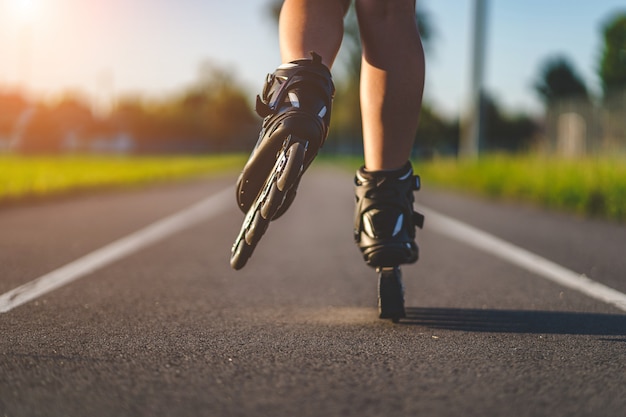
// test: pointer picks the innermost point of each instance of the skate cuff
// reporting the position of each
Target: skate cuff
(278, 88)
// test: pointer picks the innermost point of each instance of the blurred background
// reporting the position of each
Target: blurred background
(180, 77)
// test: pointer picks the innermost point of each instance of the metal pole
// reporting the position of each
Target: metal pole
(473, 135)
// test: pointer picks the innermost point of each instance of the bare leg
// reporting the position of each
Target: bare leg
(392, 80)
(311, 25)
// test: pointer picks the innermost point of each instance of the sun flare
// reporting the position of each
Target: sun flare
(24, 11)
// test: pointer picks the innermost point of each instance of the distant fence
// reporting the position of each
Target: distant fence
(576, 126)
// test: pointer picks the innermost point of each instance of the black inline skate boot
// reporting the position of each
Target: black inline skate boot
(384, 230)
(296, 105)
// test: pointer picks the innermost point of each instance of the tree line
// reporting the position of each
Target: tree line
(598, 116)
(215, 114)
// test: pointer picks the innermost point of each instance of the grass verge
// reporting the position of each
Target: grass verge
(591, 186)
(22, 176)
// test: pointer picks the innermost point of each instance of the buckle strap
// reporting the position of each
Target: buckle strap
(288, 76)
(417, 183)
(418, 219)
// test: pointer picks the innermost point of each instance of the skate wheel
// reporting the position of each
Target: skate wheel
(289, 197)
(256, 230)
(390, 294)
(290, 173)
(240, 255)
(272, 202)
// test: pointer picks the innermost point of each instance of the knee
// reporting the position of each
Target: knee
(372, 10)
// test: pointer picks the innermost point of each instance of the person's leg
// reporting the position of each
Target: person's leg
(296, 104)
(297, 98)
(311, 25)
(392, 80)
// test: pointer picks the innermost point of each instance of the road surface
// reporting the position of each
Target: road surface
(157, 324)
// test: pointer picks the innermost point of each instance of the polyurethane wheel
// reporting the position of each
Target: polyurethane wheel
(256, 229)
(390, 294)
(240, 254)
(272, 202)
(293, 166)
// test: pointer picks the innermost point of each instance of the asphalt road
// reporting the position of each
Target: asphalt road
(171, 330)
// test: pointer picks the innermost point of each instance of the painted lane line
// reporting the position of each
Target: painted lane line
(153, 233)
(522, 258)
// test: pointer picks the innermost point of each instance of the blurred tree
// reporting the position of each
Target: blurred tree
(230, 107)
(435, 134)
(612, 72)
(55, 126)
(558, 80)
(213, 114)
(71, 112)
(132, 115)
(505, 132)
(612, 69)
(43, 134)
(220, 108)
(12, 104)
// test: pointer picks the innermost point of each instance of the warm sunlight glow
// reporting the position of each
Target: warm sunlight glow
(24, 11)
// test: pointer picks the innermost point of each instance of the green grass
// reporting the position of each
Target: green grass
(22, 176)
(592, 186)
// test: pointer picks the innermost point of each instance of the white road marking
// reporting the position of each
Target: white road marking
(161, 229)
(522, 258)
(221, 201)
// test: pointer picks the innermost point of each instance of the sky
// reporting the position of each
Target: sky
(111, 48)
